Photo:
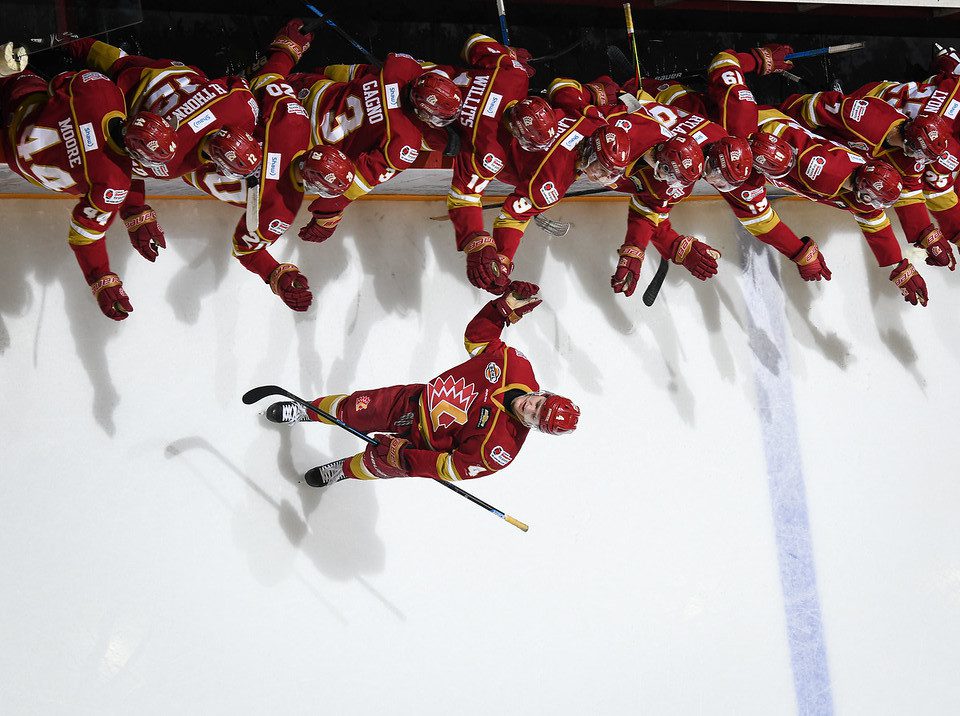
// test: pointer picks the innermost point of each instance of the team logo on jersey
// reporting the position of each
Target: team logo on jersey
(88, 136)
(277, 227)
(392, 91)
(571, 141)
(492, 163)
(625, 124)
(204, 119)
(815, 167)
(296, 108)
(114, 196)
(953, 107)
(492, 372)
(484, 417)
(409, 154)
(859, 146)
(745, 96)
(91, 76)
(549, 193)
(255, 108)
(362, 403)
(273, 165)
(448, 401)
(500, 456)
(492, 105)
(858, 109)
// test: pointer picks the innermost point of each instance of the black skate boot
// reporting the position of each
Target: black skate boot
(286, 411)
(325, 474)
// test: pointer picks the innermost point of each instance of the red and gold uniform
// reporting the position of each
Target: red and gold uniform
(56, 136)
(821, 169)
(284, 133)
(494, 82)
(360, 110)
(863, 124)
(940, 96)
(195, 105)
(457, 423)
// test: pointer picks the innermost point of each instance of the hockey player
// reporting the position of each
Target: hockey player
(468, 422)
(497, 122)
(288, 169)
(380, 117)
(73, 136)
(875, 129)
(794, 158)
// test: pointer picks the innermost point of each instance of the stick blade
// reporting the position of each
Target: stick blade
(255, 395)
(653, 290)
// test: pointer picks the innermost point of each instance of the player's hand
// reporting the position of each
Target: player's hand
(939, 251)
(522, 55)
(698, 258)
(321, 227)
(146, 235)
(810, 262)
(112, 299)
(603, 90)
(518, 300)
(292, 40)
(910, 283)
(291, 286)
(628, 270)
(947, 62)
(772, 58)
(387, 458)
(484, 269)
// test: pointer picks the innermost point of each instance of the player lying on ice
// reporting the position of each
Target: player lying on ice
(469, 421)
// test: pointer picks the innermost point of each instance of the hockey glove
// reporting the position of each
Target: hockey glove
(321, 227)
(145, 233)
(698, 258)
(772, 59)
(810, 262)
(292, 40)
(947, 62)
(910, 283)
(628, 270)
(484, 267)
(939, 251)
(522, 55)
(387, 458)
(112, 299)
(519, 299)
(291, 286)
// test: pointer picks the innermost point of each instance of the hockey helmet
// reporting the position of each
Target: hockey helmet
(149, 139)
(605, 154)
(532, 122)
(679, 160)
(326, 171)
(234, 151)
(877, 184)
(547, 412)
(925, 138)
(772, 156)
(727, 163)
(436, 99)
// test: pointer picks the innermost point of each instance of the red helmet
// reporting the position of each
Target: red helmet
(605, 154)
(149, 139)
(772, 156)
(728, 163)
(925, 137)
(436, 99)
(679, 160)
(326, 171)
(532, 122)
(558, 415)
(235, 152)
(877, 184)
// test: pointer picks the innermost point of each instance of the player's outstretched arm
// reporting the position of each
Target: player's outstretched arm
(483, 332)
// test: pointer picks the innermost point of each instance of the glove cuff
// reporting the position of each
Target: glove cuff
(681, 249)
(477, 242)
(929, 236)
(134, 222)
(808, 253)
(764, 59)
(328, 221)
(903, 272)
(106, 281)
(632, 252)
(279, 271)
(395, 454)
(285, 44)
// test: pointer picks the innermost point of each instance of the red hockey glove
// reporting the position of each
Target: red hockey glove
(939, 252)
(387, 458)
(291, 286)
(292, 40)
(947, 62)
(810, 262)
(484, 266)
(771, 58)
(145, 233)
(628, 270)
(522, 55)
(113, 300)
(519, 299)
(698, 258)
(910, 283)
(321, 227)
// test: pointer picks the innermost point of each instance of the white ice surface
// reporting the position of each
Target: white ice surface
(159, 554)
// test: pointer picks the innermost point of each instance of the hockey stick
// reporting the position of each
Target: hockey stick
(583, 192)
(336, 28)
(569, 48)
(653, 290)
(818, 52)
(259, 393)
(503, 23)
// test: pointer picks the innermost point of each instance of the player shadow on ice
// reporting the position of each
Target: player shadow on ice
(341, 546)
(42, 252)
